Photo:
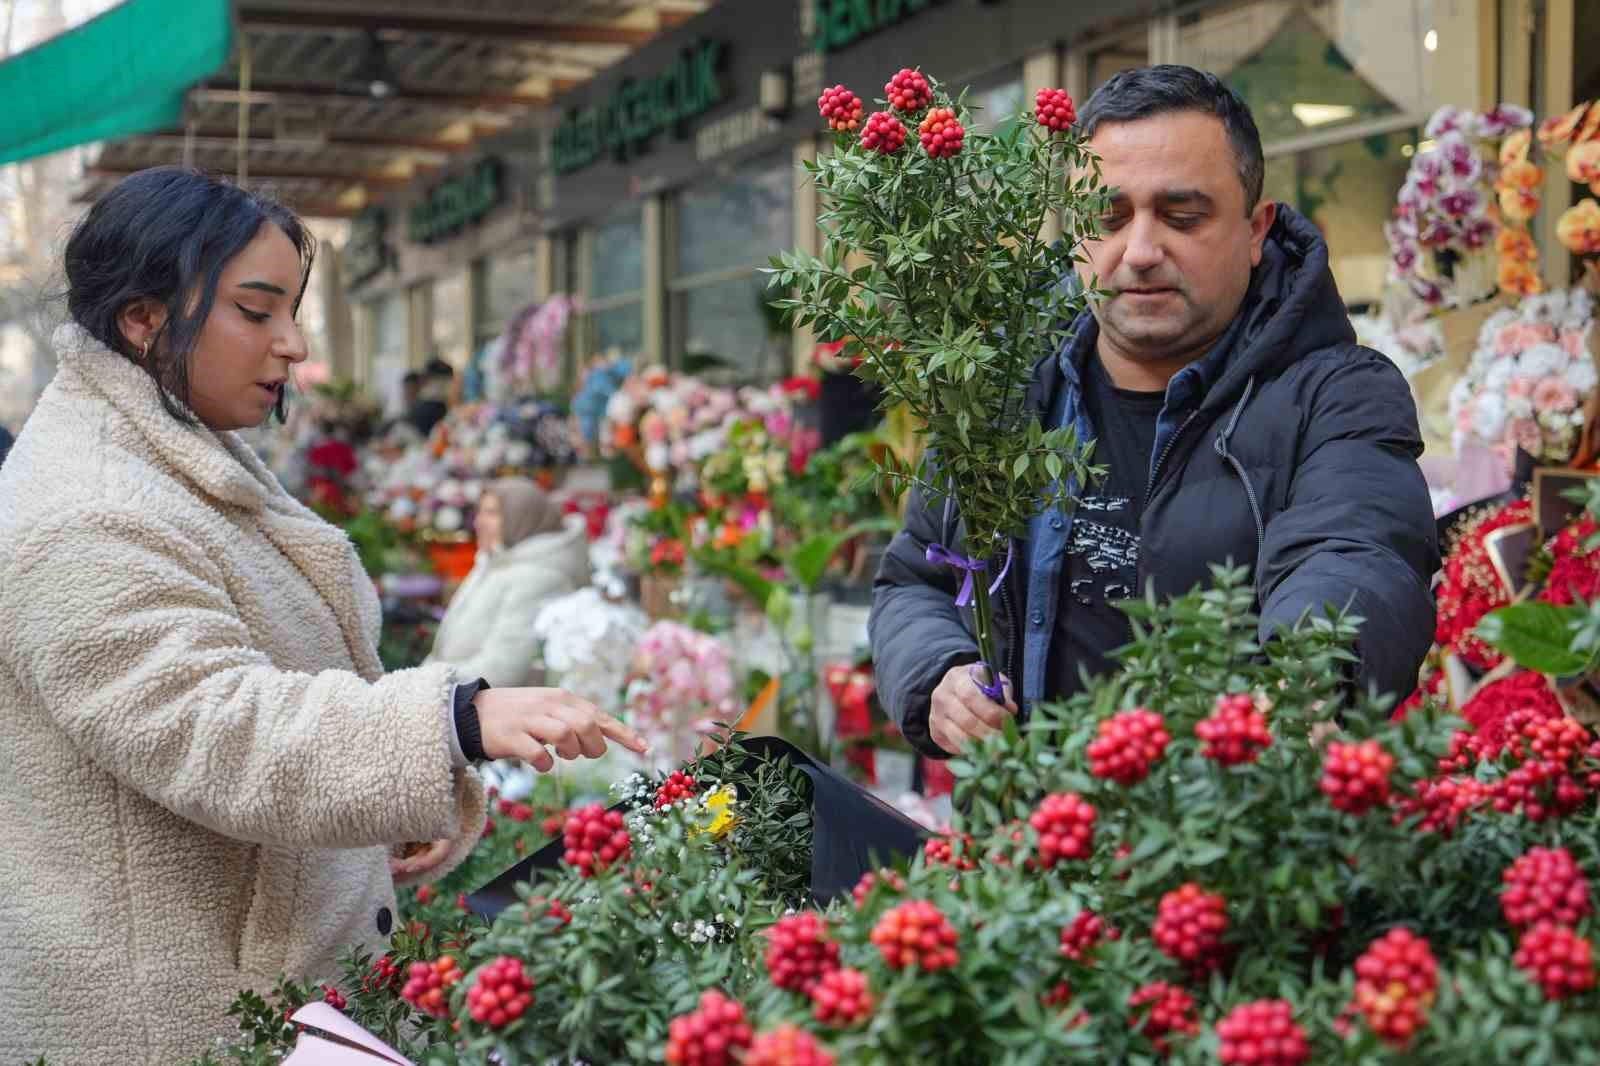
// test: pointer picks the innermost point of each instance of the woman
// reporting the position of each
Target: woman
(205, 769)
(527, 556)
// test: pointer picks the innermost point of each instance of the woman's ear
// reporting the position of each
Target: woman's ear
(141, 321)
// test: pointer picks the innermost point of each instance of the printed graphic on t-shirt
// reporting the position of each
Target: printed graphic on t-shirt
(1107, 556)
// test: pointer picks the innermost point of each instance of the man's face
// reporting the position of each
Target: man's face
(1177, 246)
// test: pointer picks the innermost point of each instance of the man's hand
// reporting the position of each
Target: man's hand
(522, 723)
(405, 867)
(959, 713)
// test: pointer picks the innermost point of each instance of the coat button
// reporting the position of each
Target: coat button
(1038, 618)
(1056, 523)
(385, 921)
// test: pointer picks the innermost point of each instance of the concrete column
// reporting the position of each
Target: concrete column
(805, 237)
(336, 318)
(419, 324)
(655, 280)
(1555, 90)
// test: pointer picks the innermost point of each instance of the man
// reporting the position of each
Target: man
(6, 441)
(433, 396)
(1236, 415)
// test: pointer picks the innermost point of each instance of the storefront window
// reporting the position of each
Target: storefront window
(386, 318)
(449, 328)
(616, 282)
(1338, 96)
(728, 226)
(996, 102)
(507, 288)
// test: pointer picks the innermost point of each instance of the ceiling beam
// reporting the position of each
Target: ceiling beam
(264, 138)
(274, 174)
(461, 25)
(228, 91)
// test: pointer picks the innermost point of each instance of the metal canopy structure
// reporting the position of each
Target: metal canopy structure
(336, 101)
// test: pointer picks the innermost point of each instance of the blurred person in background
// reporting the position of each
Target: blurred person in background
(528, 555)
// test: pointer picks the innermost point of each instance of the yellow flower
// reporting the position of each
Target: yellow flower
(1517, 205)
(1514, 149)
(1521, 175)
(720, 803)
(1579, 228)
(1583, 162)
(1519, 278)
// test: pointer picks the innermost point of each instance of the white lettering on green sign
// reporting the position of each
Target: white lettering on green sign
(453, 205)
(624, 124)
(841, 23)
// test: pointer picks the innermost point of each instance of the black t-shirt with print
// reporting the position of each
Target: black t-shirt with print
(1103, 552)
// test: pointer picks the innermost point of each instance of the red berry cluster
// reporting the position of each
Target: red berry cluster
(500, 993)
(384, 976)
(1052, 109)
(1065, 824)
(916, 934)
(883, 133)
(908, 91)
(1443, 802)
(1557, 740)
(1544, 884)
(941, 134)
(1083, 934)
(1235, 733)
(428, 987)
(1541, 788)
(1396, 982)
(711, 1035)
(842, 998)
(1059, 996)
(333, 997)
(1171, 1010)
(940, 851)
(1355, 777)
(1262, 1033)
(595, 839)
(841, 107)
(1559, 960)
(556, 909)
(517, 812)
(677, 786)
(1128, 744)
(799, 951)
(1464, 753)
(786, 1045)
(1189, 926)
(870, 880)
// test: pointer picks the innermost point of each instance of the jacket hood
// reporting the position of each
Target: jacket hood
(1291, 309)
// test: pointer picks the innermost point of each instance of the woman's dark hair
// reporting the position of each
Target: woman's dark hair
(166, 234)
(1164, 89)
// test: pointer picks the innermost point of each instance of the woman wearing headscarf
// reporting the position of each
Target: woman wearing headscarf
(527, 556)
(205, 773)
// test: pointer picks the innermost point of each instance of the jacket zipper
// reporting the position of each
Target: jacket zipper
(1150, 491)
(1249, 494)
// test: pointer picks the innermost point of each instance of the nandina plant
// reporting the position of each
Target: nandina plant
(935, 271)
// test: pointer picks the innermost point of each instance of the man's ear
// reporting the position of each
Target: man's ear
(141, 321)
(1261, 220)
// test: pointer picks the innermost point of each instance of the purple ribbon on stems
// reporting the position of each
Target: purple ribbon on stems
(938, 553)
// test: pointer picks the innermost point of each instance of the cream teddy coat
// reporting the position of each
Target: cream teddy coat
(488, 631)
(201, 759)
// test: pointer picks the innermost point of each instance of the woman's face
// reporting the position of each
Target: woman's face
(250, 340)
(241, 360)
(488, 522)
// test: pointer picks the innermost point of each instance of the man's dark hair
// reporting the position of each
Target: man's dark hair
(1161, 90)
(412, 377)
(438, 368)
(166, 234)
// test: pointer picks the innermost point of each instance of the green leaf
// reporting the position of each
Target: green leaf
(1538, 636)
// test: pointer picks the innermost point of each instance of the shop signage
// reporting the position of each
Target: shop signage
(365, 253)
(454, 204)
(638, 109)
(839, 24)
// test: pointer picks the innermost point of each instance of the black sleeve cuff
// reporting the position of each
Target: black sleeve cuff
(468, 730)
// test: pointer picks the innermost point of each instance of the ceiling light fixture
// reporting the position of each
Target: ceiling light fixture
(372, 74)
(1322, 114)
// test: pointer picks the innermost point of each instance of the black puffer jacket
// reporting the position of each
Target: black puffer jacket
(1298, 459)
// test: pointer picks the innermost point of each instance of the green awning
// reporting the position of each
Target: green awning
(122, 73)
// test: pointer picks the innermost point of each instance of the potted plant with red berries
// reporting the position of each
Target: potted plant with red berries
(956, 296)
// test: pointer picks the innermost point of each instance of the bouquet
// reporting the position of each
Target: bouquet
(1529, 377)
(955, 272)
(1444, 238)
(680, 688)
